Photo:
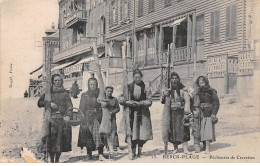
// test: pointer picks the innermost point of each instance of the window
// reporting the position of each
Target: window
(167, 3)
(151, 5)
(200, 27)
(214, 26)
(140, 7)
(140, 41)
(113, 12)
(231, 21)
(91, 24)
(150, 41)
(124, 9)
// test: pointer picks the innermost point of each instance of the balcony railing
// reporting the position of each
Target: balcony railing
(80, 47)
(77, 16)
(180, 55)
(245, 62)
(110, 62)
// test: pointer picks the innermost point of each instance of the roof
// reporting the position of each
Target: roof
(56, 34)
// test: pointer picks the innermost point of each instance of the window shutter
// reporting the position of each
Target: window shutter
(150, 5)
(121, 9)
(129, 8)
(110, 13)
(228, 22)
(212, 26)
(139, 7)
(167, 2)
(233, 21)
(142, 7)
(217, 17)
(116, 6)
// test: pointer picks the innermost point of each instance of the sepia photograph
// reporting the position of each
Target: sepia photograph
(129, 81)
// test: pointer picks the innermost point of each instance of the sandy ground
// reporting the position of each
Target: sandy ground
(238, 135)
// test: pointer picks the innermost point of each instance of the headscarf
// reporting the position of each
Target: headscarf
(93, 93)
(179, 86)
(206, 87)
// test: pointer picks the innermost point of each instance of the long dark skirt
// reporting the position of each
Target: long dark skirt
(60, 137)
(180, 133)
(90, 137)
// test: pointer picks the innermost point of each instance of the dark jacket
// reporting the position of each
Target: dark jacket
(60, 135)
(74, 90)
(206, 95)
(89, 131)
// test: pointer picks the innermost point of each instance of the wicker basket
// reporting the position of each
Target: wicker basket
(76, 117)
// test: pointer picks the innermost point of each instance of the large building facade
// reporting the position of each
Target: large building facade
(205, 37)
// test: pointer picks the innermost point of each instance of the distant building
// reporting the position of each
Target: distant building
(37, 77)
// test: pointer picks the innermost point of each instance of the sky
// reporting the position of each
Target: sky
(22, 26)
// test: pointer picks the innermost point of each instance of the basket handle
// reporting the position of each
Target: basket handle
(76, 109)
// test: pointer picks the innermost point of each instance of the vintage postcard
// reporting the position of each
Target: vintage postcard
(130, 81)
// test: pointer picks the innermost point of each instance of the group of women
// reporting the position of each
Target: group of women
(176, 122)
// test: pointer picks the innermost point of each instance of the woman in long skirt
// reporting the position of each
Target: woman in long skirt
(61, 111)
(206, 103)
(89, 135)
(140, 118)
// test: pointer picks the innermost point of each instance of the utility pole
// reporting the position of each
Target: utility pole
(133, 35)
(48, 73)
(47, 108)
(193, 43)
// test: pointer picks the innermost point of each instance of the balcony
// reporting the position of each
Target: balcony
(78, 16)
(83, 45)
(109, 62)
(181, 54)
(78, 48)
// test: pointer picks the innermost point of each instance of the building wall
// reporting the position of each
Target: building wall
(231, 47)
(120, 27)
(201, 7)
(94, 22)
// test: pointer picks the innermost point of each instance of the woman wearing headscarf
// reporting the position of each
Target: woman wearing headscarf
(174, 118)
(206, 103)
(89, 135)
(140, 118)
(61, 111)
